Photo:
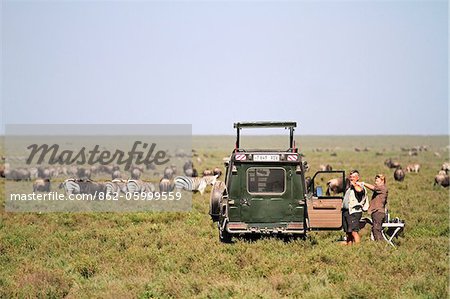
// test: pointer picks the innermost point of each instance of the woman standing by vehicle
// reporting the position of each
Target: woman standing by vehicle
(377, 208)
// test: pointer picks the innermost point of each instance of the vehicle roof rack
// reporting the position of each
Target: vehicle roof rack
(266, 124)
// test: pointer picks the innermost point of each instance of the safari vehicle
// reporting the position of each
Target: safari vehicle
(266, 192)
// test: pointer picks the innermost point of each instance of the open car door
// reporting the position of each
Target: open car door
(324, 210)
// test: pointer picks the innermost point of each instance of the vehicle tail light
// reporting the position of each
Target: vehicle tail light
(237, 225)
(295, 225)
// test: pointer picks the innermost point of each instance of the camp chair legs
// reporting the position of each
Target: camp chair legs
(390, 230)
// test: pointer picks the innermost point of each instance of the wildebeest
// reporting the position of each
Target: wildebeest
(2, 171)
(90, 187)
(84, 174)
(168, 173)
(325, 167)
(140, 167)
(441, 179)
(41, 185)
(399, 174)
(391, 164)
(189, 170)
(43, 173)
(217, 172)
(174, 168)
(413, 153)
(188, 165)
(413, 168)
(150, 166)
(207, 172)
(63, 171)
(108, 169)
(135, 174)
(446, 167)
(308, 183)
(192, 172)
(20, 174)
(72, 171)
(83, 186)
(180, 153)
(336, 186)
(116, 175)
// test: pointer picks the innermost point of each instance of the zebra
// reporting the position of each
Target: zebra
(70, 186)
(194, 183)
(166, 185)
(139, 186)
(116, 186)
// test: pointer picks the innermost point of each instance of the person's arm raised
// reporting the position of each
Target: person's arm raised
(370, 186)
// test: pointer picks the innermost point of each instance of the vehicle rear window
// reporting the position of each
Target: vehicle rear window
(266, 180)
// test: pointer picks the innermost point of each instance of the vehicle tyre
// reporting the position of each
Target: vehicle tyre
(214, 206)
(224, 236)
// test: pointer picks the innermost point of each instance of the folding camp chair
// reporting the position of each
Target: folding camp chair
(391, 228)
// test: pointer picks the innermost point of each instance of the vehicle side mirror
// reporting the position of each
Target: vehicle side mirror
(319, 191)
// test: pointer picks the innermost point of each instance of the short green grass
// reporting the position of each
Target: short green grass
(178, 255)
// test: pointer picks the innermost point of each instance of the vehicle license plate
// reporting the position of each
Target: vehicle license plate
(270, 158)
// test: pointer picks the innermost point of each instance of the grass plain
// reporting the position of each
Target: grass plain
(178, 254)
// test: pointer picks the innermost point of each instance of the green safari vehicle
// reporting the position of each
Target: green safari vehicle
(265, 192)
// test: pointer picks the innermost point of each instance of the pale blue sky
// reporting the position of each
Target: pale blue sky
(353, 67)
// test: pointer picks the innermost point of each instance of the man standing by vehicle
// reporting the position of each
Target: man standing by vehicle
(355, 201)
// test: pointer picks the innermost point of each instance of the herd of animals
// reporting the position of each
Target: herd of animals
(336, 185)
(80, 181)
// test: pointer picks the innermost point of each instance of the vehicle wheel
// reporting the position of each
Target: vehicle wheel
(214, 207)
(224, 236)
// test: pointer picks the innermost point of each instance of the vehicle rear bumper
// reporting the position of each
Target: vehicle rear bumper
(265, 228)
